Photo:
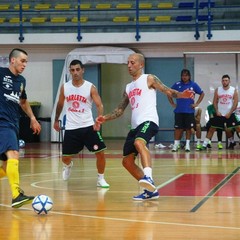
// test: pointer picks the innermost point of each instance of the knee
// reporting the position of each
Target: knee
(125, 163)
(128, 161)
(12, 154)
(139, 144)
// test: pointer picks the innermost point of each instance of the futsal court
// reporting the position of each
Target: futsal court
(199, 196)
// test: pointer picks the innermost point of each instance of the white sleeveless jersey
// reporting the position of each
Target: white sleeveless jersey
(225, 99)
(143, 101)
(78, 105)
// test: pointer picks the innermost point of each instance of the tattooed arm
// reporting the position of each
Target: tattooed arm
(156, 83)
(117, 112)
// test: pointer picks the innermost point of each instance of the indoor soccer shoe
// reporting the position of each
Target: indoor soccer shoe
(21, 200)
(147, 183)
(67, 171)
(187, 148)
(209, 145)
(147, 195)
(204, 147)
(220, 146)
(231, 145)
(102, 183)
(175, 148)
(198, 147)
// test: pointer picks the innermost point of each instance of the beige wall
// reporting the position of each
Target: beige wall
(114, 78)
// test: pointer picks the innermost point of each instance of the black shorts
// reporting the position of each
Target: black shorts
(144, 131)
(222, 122)
(75, 140)
(184, 121)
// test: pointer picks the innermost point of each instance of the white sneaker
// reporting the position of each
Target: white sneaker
(187, 148)
(66, 172)
(102, 183)
(175, 148)
(159, 146)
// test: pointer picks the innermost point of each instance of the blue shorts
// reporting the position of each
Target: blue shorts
(75, 140)
(145, 131)
(8, 141)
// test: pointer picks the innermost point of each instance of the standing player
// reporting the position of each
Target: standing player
(141, 94)
(225, 102)
(184, 109)
(78, 96)
(13, 95)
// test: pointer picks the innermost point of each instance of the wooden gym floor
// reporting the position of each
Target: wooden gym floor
(199, 197)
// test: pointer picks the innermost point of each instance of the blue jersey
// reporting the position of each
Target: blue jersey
(184, 104)
(12, 89)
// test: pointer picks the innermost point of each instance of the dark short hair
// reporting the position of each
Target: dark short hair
(225, 76)
(186, 71)
(15, 52)
(76, 62)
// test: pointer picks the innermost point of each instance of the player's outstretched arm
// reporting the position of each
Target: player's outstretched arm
(117, 112)
(156, 83)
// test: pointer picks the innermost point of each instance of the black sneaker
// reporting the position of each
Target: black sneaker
(231, 146)
(21, 200)
(209, 145)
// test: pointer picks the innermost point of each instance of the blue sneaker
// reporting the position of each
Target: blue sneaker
(147, 195)
(147, 183)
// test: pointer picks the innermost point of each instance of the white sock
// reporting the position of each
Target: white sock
(188, 142)
(148, 171)
(176, 142)
(100, 176)
(198, 141)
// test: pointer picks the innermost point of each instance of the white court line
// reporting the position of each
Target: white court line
(169, 181)
(64, 183)
(140, 221)
(136, 221)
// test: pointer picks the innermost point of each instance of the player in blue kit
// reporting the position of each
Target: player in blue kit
(184, 109)
(12, 97)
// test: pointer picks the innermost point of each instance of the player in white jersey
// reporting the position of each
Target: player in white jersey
(141, 94)
(78, 95)
(225, 102)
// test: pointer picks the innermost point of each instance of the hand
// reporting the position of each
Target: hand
(174, 105)
(194, 105)
(100, 119)
(97, 126)
(56, 126)
(228, 115)
(35, 126)
(187, 94)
